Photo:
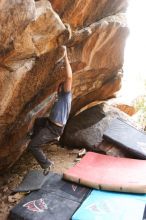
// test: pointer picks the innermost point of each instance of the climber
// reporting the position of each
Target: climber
(48, 129)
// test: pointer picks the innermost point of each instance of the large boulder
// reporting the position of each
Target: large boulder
(29, 73)
(86, 128)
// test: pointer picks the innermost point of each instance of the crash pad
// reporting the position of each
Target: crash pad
(109, 173)
(64, 188)
(55, 200)
(32, 181)
(103, 205)
(127, 137)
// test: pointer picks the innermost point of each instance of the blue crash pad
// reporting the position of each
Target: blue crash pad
(103, 205)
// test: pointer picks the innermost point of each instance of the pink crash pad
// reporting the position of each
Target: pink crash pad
(109, 173)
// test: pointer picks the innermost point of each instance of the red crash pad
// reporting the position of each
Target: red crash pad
(109, 173)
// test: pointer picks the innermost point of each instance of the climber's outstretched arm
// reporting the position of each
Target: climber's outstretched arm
(68, 80)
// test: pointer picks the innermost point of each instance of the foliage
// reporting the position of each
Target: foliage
(140, 105)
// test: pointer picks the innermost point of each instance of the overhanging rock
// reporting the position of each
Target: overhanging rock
(29, 74)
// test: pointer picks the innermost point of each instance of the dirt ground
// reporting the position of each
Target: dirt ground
(62, 157)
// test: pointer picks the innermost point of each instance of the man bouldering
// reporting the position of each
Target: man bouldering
(48, 129)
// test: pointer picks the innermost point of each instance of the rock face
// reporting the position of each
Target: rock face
(30, 35)
(87, 127)
(14, 18)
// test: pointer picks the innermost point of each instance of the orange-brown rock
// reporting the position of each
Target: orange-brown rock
(81, 13)
(14, 17)
(128, 109)
(29, 73)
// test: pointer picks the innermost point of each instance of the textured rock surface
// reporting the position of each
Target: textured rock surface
(14, 17)
(29, 74)
(86, 129)
(81, 13)
(128, 109)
